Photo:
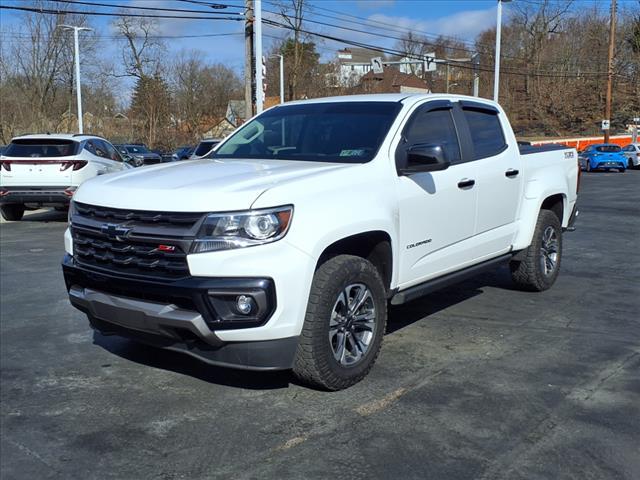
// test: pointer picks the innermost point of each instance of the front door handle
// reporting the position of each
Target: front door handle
(511, 173)
(466, 183)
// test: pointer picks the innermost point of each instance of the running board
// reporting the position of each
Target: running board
(430, 286)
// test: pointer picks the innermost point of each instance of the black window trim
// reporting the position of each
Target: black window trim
(426, 107)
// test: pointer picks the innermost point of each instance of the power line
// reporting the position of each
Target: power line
(110, 5)
(50, 11)
(486, 68)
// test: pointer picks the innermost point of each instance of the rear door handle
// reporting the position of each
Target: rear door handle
(511, 173)
(466, 183)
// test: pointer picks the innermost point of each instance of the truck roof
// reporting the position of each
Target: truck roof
(56, 136)
(393, 97)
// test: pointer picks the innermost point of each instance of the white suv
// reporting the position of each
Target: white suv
(45, 170)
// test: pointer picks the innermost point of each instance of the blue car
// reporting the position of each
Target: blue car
(603, 156)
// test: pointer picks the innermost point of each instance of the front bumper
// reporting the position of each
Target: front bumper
(37, 195)
(177, 315)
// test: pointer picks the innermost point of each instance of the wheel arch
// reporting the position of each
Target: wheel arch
(374, 246)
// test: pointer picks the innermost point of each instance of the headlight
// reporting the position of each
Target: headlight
(226, 231)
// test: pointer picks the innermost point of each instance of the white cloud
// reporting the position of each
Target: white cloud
(464, 25)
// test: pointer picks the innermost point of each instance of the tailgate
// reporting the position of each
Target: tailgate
(30, 172)
(37, 161)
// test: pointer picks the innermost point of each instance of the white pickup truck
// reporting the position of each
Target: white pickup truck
(283, 249)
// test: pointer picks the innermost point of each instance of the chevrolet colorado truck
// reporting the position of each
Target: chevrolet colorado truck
(283, 248)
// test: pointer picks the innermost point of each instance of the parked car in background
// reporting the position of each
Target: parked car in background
(204, 147)
(182, 153)
(603, 156)
(45, 170)
(632, 152)
(140, 153)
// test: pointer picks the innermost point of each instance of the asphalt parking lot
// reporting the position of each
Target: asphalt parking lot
(476, 382)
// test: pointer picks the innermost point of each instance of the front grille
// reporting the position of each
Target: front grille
(154, 244)
(140, 217)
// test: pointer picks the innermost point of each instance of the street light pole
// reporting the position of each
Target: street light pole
(76, 54)
(257, 29)
(496, 75)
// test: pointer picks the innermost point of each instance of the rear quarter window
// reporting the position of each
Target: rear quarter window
(38, 148)
(486, 133)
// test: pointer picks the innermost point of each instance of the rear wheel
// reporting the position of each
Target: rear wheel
(12, 213)
(344, 324)
(537, 267)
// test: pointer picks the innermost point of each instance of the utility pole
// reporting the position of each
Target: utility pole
(248, 59)
(257, 30)
(447, 76)
(612, 41)
(281, 75)
(76, 54)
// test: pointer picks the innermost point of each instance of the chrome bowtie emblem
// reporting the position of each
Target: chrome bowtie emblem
(115, 231)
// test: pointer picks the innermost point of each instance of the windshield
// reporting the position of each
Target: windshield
(137, 149)
(205, 147)
(608, 148)
(340, 132)
(41, 147)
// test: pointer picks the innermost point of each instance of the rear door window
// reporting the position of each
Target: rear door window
(112, 153)
(38, 148)
(486, 133)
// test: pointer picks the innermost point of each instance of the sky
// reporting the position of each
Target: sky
(462, 19)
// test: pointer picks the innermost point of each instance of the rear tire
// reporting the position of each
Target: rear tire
(344, 324)
(537, 267)
(12, 213)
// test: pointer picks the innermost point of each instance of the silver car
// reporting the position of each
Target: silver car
(632, 152)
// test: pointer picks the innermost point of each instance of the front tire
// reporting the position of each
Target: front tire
(622, 170)
(588, 166)
(12, 213)
(537, 267)
(344, 324)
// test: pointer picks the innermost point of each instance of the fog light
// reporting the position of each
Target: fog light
(244, 304)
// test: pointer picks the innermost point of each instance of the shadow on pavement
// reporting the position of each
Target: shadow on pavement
(399, 317)
(186, 365)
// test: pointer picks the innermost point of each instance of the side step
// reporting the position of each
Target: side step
(430, 286)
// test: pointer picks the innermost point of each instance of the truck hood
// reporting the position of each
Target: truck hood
(209, 185)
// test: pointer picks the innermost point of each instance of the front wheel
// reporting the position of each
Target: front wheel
(622, 170)
(588, 166)
(537, 267)
(344, 324)
(12, 213)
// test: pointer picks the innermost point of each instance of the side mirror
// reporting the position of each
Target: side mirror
(425, 157)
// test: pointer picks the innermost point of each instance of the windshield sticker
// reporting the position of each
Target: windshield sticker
(352, 153)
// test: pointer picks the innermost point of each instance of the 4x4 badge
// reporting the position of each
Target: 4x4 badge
(115, 231)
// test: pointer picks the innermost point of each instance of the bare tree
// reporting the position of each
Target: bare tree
(292, 13)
